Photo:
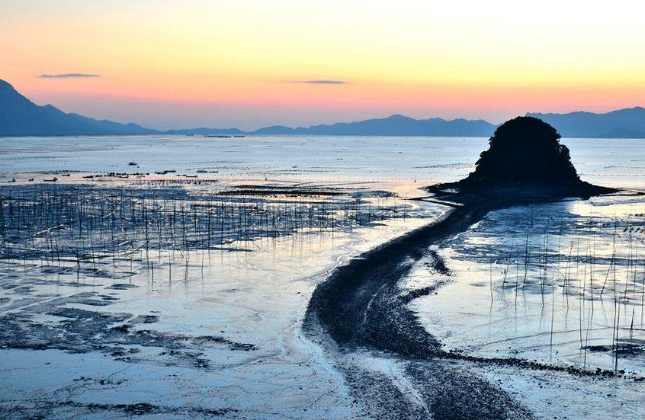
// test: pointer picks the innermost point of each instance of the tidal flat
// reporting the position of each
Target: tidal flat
(183, 287)
(165, 299)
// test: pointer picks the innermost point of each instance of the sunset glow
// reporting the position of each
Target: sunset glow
(249, 63)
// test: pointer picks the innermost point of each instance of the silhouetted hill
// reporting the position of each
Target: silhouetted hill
(622, 123)
(21, 117)
(524, 150)
(524, 162)
(395, 125)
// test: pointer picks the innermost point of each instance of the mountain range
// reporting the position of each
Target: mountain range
(21, 117)
(622, 123)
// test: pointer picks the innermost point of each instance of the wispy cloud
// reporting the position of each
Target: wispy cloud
(69, 76)
(321, 82)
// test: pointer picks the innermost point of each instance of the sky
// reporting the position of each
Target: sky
(252, 63)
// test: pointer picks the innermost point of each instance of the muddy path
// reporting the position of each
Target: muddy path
(352, 303)
(361, 308)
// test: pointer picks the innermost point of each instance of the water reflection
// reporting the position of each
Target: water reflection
(559, 283)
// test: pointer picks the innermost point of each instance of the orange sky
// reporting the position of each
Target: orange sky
(248, 63)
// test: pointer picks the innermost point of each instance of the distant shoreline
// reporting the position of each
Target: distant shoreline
(246, 136)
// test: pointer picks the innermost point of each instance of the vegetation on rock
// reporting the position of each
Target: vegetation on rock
(524, 150)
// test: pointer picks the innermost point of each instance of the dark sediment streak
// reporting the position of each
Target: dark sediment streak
(360, 306)
(349, 303)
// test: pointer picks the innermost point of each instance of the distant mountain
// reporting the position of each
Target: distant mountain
(395, 125)
(277, 129)
(622, 123)
(21, 117)
(207, 132)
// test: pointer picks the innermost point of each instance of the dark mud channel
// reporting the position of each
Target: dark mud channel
(361, 307)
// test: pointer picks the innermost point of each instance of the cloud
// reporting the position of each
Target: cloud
(69, 76)
(322, 82)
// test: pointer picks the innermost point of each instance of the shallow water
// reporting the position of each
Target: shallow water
(613, 162)
(253, 299)
(560, 283)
